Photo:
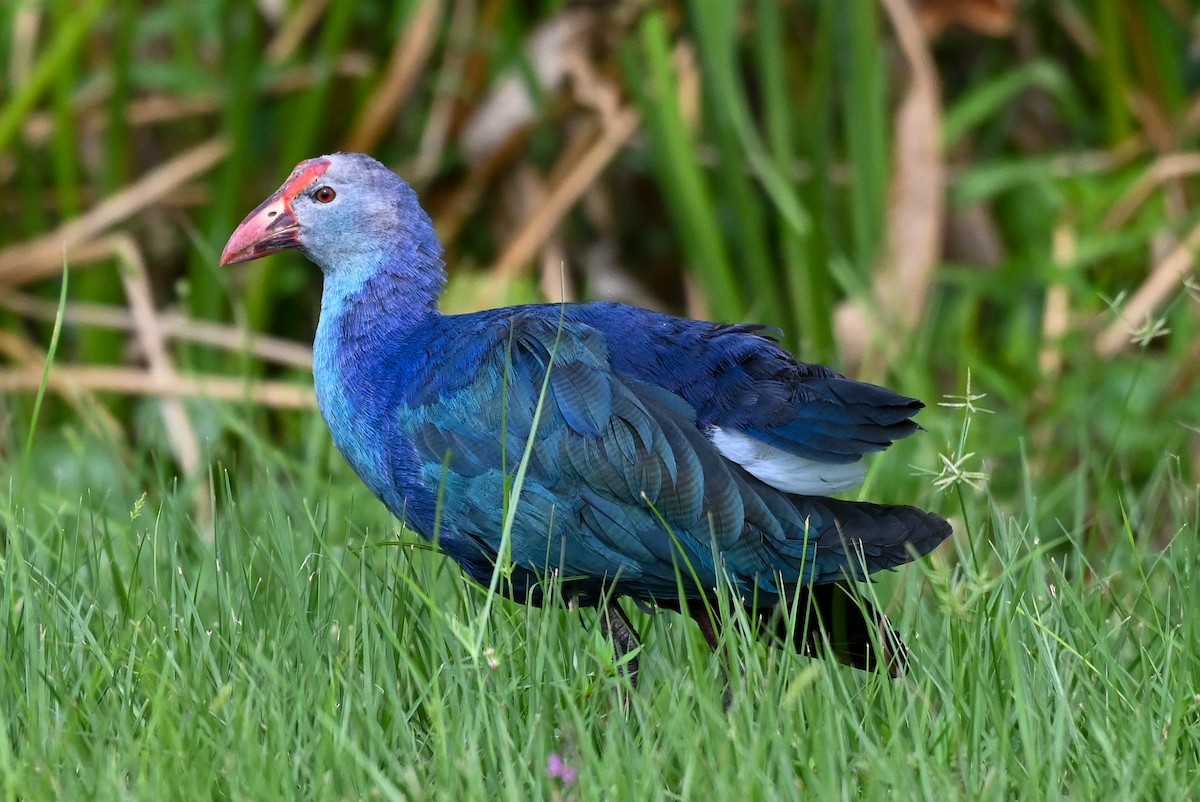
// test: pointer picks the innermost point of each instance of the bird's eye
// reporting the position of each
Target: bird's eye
(324, 194)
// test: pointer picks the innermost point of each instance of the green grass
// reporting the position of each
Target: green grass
(309, 654)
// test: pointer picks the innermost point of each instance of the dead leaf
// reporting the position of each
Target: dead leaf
(67, 379)
(916, 208)
(1164, 280)
(43, 257)
(409, 56)
(510, 107)
(989, 17)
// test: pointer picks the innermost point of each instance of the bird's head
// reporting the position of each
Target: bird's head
(342, 211)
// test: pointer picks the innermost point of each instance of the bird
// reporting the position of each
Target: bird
(590, 453)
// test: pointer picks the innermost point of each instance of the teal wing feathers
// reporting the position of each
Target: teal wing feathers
(622, 486)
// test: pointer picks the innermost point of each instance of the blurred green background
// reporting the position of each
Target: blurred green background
(879, 180)
(908, 190)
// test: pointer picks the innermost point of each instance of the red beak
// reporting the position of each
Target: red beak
(272, 226)
(269, 228)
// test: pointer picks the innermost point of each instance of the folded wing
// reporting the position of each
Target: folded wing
(629, 482)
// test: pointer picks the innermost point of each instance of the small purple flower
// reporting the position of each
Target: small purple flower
(558, 768)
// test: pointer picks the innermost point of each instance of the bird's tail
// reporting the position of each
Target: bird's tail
(831, 620)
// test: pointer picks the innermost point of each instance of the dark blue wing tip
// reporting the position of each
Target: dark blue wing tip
(937, 530)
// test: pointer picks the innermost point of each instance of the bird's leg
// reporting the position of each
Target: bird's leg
(617, 627)
(701, 613)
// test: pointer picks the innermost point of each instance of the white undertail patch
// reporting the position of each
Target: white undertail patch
(784, 471)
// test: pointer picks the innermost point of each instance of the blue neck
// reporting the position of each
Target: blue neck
(370, 305)
(390, 287)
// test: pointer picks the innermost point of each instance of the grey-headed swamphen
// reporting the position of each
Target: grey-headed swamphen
(666, 456)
